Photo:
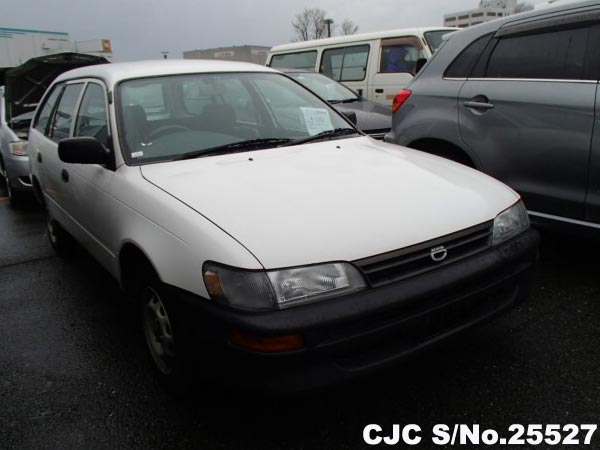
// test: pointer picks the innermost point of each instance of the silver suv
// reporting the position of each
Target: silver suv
(517, 98)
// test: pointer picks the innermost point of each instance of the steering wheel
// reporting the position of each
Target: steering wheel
(165, 129)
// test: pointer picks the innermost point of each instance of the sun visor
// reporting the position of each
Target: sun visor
(26, 84)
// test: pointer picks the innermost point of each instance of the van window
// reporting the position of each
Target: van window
(63, 118)
(552, 55)
(41, 121)
(400, 55)
(346, 64)
(301, 60)
(436, 38)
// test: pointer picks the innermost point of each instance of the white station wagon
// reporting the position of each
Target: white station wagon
(267, 240)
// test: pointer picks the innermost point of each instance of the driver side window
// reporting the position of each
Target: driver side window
(92, 117)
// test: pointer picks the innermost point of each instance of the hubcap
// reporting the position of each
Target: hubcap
(158, 331)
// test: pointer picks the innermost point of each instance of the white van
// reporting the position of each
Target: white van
(375, 65)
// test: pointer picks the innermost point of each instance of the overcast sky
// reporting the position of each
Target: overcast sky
(141, 29)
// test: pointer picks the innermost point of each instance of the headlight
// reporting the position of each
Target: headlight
(277, 289)
(18, 148)
(510, 222)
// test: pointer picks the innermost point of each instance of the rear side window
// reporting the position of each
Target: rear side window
(63, 118)
(551, 55)
(41, 121)
(346, 64)
(300, 60)
(464, 62)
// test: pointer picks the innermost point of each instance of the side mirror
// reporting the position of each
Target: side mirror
(419, 65)
(350, 115)
(83, 150)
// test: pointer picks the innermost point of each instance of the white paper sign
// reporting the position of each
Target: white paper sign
(317, 120)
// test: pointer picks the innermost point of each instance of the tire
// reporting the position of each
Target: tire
(160, 326)
(61, 241)
(15, 198)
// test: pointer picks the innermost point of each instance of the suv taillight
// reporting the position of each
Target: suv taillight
(399, 99)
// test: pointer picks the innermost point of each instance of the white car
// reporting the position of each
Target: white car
(267, 240)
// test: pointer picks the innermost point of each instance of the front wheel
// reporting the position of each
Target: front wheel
(160, 331)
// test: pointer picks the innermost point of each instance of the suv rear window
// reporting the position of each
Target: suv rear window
(464, 62)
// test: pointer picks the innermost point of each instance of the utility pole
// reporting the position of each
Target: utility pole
(328, 22)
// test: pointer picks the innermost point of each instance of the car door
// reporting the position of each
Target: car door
(39, 143)
(56, 174)
(527, 112)
(90, 202)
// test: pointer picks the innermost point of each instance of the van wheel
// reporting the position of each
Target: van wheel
(61, 241)
(160, 331)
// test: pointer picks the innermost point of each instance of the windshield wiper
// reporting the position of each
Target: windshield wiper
(235, 147)
(329, 134)
(346, 100)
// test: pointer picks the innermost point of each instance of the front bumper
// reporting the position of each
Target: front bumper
(362, 332)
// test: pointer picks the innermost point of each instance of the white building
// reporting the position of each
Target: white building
(488, 10)
(18, 45)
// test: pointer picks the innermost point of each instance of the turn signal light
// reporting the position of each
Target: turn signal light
(267, 344)
(399, 99)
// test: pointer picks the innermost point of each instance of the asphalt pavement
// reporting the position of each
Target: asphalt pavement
(74, 375)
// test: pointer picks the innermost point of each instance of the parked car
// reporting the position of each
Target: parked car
(266, 239)
(24, 86)
(517, 99)
(371, 118)
(14, 163)
(375, 65)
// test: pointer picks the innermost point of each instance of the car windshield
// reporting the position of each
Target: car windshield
(436, 38)
(325, 87)
(183, 116)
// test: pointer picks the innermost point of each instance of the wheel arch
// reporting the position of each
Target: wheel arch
(133, 262)
(446, 149)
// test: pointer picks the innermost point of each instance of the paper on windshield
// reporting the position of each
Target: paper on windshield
(317, 120)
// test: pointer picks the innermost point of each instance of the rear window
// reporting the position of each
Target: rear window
(464, 62)
(301, 60)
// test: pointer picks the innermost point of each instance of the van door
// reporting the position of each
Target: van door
(527, 113)
(348, 65)
(394, 63)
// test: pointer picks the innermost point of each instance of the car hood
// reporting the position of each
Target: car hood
(330, 201)
(370, 116)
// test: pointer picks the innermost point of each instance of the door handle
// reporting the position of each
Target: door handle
(480, 102)
(379, 91)
(65, 175)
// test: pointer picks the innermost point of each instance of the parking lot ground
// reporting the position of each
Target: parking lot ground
(73, 374)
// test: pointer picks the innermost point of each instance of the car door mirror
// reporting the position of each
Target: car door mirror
(351, 116)
(83, 150)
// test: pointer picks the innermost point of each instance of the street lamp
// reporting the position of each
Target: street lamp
(165, 54)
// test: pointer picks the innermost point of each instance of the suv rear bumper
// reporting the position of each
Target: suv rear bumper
(363, 332)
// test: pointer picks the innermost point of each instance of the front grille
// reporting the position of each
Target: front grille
(417, 259)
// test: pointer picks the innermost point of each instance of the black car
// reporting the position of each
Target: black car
(373, 119)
